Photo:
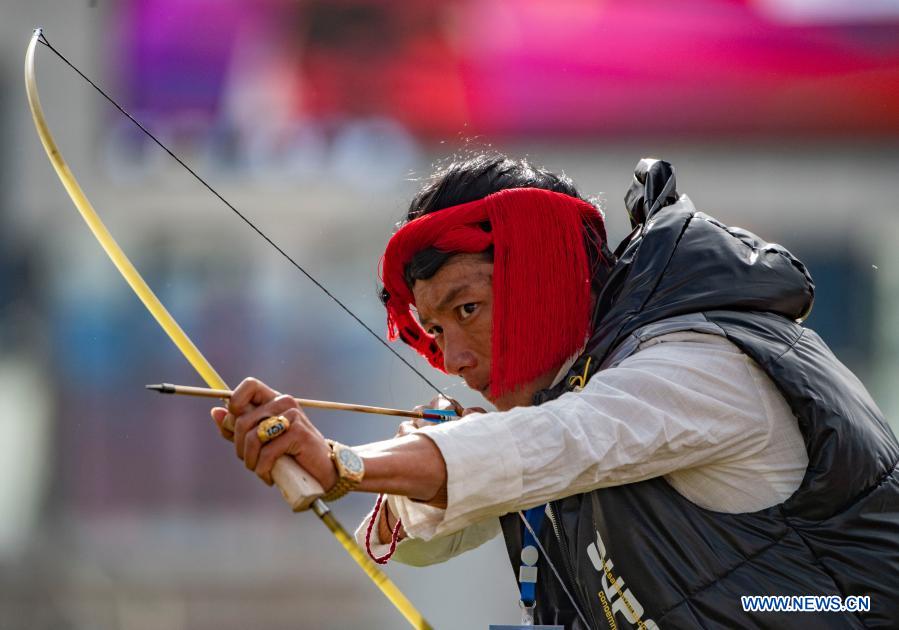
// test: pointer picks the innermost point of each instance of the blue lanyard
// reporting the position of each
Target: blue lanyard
(530, 551)
(530, 554)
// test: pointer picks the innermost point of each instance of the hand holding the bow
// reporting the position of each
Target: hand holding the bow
(252, 402)
(409, 465)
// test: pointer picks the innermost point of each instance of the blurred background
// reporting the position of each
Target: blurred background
(120, 509)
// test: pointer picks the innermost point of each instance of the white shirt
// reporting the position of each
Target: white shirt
(687, 406)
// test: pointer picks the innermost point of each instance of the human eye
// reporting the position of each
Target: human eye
(464, 311)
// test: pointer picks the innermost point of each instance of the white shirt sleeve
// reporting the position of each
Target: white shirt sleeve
(690, 402)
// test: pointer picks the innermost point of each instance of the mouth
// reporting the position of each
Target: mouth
(483, 389)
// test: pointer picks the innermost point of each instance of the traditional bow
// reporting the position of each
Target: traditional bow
(299, 489)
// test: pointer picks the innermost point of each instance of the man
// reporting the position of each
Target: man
(691, 442)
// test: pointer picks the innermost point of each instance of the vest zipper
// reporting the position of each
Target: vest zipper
(563, 545)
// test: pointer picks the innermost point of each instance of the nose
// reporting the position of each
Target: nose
(458, 358)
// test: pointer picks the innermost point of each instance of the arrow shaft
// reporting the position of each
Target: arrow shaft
(204, 392)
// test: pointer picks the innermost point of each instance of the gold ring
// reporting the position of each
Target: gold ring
(272, 427)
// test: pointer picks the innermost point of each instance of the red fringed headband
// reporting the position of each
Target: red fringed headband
(541, 277)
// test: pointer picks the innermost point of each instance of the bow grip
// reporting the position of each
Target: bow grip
(299, 488)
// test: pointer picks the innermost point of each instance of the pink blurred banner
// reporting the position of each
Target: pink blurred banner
(516, 67)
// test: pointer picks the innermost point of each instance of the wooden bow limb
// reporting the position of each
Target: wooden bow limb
(298, 488)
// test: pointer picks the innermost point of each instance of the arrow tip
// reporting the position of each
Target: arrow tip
(162, 388)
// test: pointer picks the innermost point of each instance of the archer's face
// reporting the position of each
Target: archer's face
(456, 306)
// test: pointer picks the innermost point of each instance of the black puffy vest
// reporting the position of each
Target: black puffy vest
(643, 555)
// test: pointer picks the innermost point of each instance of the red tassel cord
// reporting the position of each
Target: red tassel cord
(394, 538)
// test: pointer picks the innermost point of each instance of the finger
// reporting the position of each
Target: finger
(472, 410)
(444, 403)
(219, 415)
(418, 422)
(248, 421)
(421, 422)
(265, 431)
(251, 447)
(289, 442)
(455, 406)
(245, 426)
(249, 394)
(297, 415)
(439, 402)
(407, 427)
(307, 446)
(228, 423)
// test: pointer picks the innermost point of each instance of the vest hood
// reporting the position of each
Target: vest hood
(725, 268)
(678, 261)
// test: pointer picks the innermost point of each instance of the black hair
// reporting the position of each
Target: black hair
(476, 177)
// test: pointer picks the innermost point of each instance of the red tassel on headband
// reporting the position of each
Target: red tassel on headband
(541, 277)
